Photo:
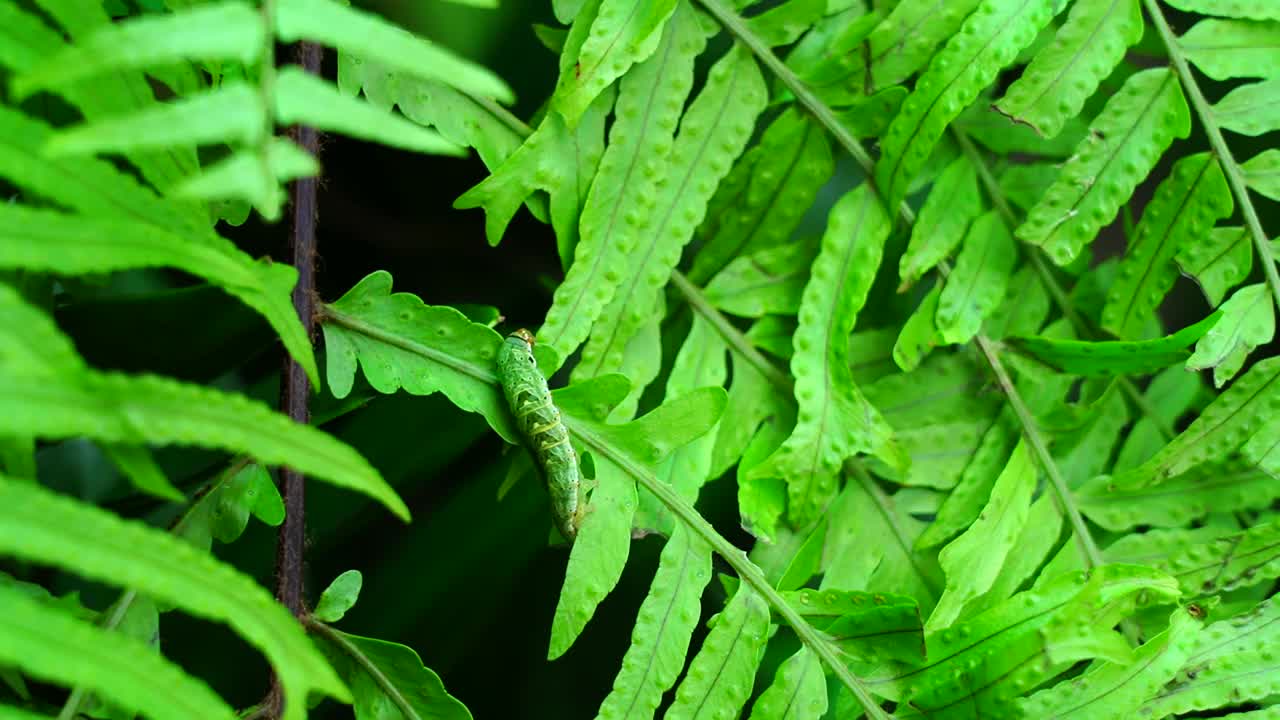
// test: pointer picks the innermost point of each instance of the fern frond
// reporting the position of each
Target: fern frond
(622, 33)
(1262, 173)
(974, 559)
(867, 626)
(1218, 261)
(1185, 207)
(1248, 9)
(721, 675)
(713, 131)
(637, 156)
(1125, 141)
(835, 420)
(1249, 109)
(1248, 321)
(919, 334)
(217, 31)
(1025, 307)
(663, 629)
(1088, 46)
(39, 526)
(1225, 49)
(798, 691)
(988, 41)
(761, 201)
(770, 281)
(54, 646)
(1115, 689)
(1228, 487)
(1231, 419)
(95, 188)
(976, 286)
(951, 205)
(970, 494)
(1077, 357)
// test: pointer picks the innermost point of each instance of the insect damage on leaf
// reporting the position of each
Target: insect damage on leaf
(543, 431)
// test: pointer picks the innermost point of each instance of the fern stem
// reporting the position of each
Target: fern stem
(745, 569)
(1036, 256)
(1232, 170)
(1041, 449)
(737, 342)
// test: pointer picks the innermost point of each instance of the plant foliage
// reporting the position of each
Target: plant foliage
(924, 427)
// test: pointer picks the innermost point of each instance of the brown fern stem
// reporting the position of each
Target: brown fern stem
(295, 387)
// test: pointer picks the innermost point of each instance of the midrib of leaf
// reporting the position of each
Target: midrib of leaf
(331, 314)
(737, 560)
(1060, 297)
(827, 118)
(891, 520)
(1235, 176)
(384, 683)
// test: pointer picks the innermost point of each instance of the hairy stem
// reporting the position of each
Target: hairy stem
(1229, 166)
(1036, 256)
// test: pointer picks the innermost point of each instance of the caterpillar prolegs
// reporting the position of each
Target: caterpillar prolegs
(544, 433)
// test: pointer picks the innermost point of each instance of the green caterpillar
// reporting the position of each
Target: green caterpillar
(544, 433)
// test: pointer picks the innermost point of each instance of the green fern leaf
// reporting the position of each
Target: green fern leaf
(869, 546)
(1125, 141)
(1106, 358)
(752, 399)
(1178, 501)
(1185, 206)
(61, 401)
(26, 42)
(388, 679)
(620, 451)
(1262, 171)
(242, 176)
(1248, 321)
(971, 493)
(770, 281)
(39, 526)
(231, 113)
(785, 23)
(1218, 261)
(1169, 395)
(1249, 9)
(1063, 75)
(373, 38)
(551, 159)
(1024, 185)
(763, 198)
(136, 463)
(974, 559)
(339, 597)
(863, 60)
(976, 286)
(1225, 49)
(402, 343)
(50, 241)
(994, 131)
(721, 675)
(952, 204)
(989, 40)
(616, 215)
(1227, 563)
(1115, 689)
(664, 626)
(836, 421)
(223, 512)
(12, 713)
(623, 33)
(866, 626)
(713, 132)
(54, 646)
(919, 334)
(798, 691)
(699, 363)
(1040, 536)
(1082, 452)
(1250, 109)
(1219, 430)
(227, 30)
(1025, 307)
(304, 99)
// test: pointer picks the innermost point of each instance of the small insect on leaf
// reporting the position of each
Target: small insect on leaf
(542, 430)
